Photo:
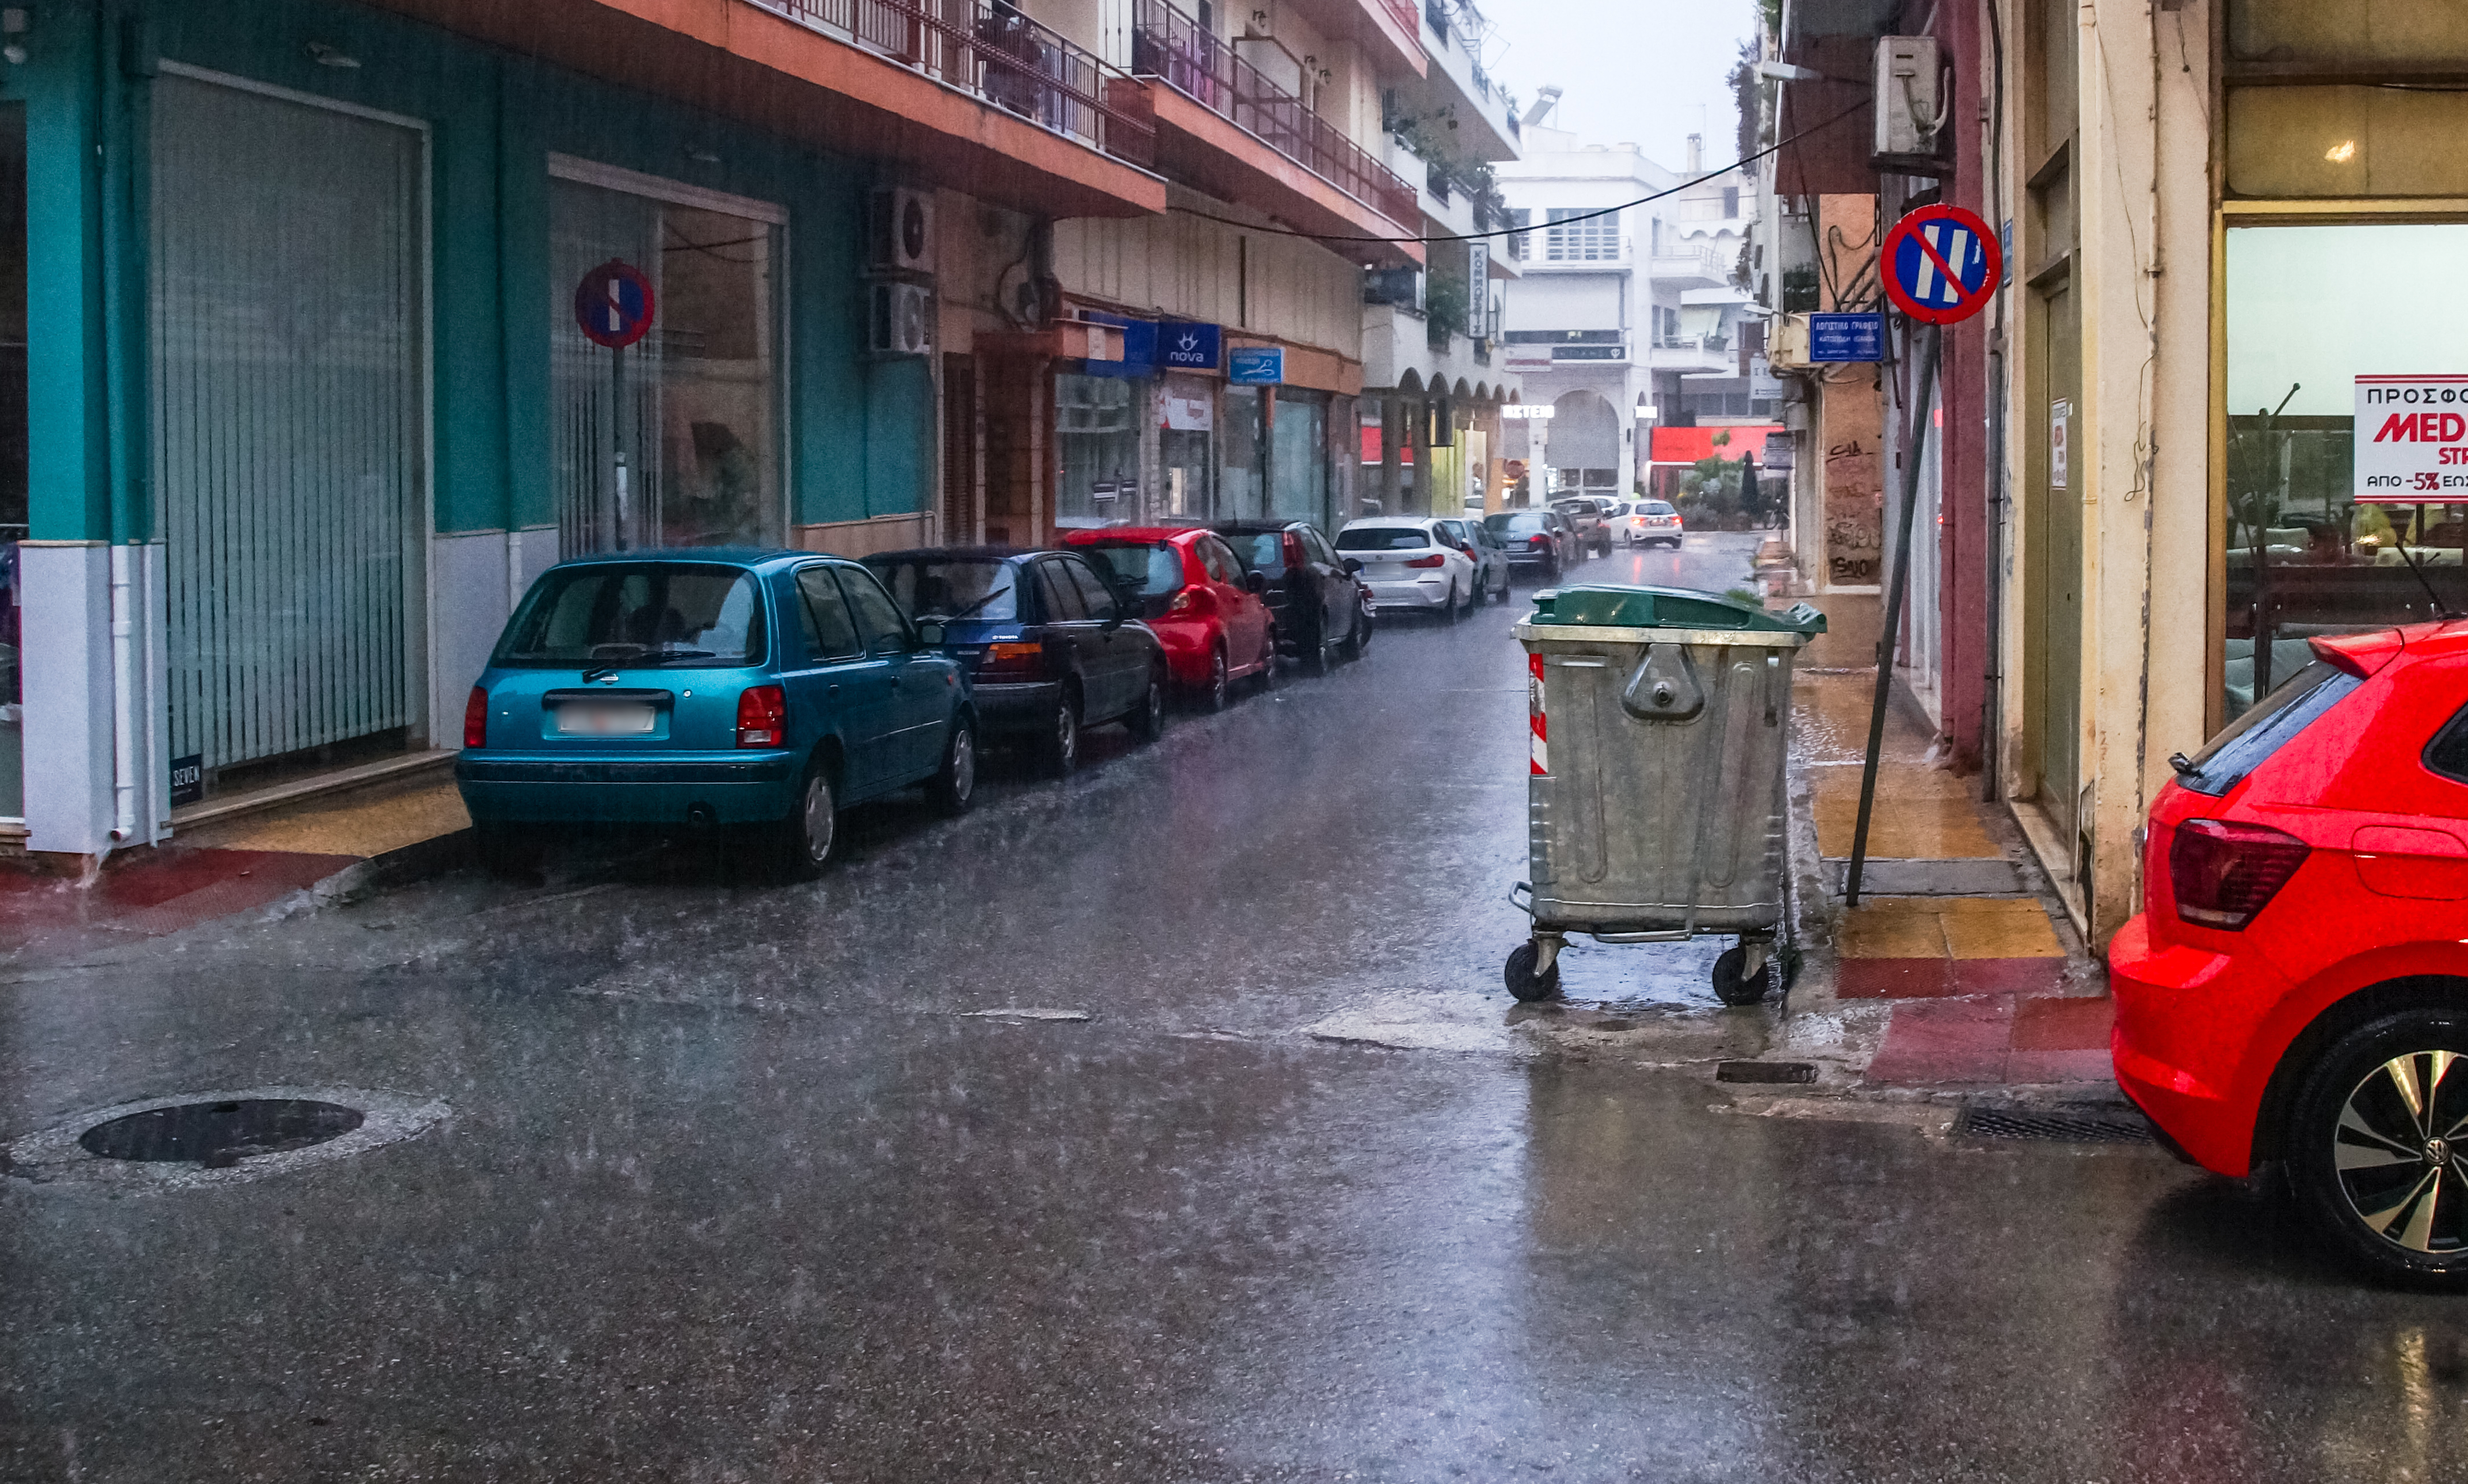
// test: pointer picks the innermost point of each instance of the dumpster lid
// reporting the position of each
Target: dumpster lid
(1610, 604)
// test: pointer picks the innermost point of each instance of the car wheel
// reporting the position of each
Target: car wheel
(2377, 1147)
(1358, 636)
(1457, 610)
(510, 853)
(1146, 721)
(803, 842)
(1314, 655)
(1505, 593)
(1059, 749)
(1219, 687)
(955, 787)
(1265, 678)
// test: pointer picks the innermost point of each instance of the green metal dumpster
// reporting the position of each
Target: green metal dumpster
(1661, 720)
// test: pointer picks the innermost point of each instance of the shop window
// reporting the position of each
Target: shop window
(2323, 537)
(1298, 456)
(12, 453)
(1099, 443)
(1244, 425)
(2345, 142)
(2413, 34)
(1187, 419)
(700, 427)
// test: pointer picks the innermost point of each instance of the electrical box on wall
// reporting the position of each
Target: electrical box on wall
(1911, 105)
(899, 319)
(901, 227)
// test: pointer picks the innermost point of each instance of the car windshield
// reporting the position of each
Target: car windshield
(1522, 523)
(1150, 568)
(1381, 539)
(2247, 742)
(637, 613)
(959, 588)
(1264, 551)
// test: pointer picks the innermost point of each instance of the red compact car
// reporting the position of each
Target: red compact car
(2296, 989)
(1207, 610)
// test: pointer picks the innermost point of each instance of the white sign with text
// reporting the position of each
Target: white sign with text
(2411, 436)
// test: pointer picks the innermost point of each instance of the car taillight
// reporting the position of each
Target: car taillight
(1012, 659)
(475, 718)
(1191, 600)
(762, 716)
(1537, 540)
(1434, 559)
(2223, 873)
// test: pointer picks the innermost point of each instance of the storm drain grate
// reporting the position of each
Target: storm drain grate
(2005, 1123)
(1786, 1072)
(219, 1134)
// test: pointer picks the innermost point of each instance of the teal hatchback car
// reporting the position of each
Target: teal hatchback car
(764, 690)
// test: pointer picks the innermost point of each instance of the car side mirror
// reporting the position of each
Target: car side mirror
(930, 634)
(1256, 581)
(1353, 566)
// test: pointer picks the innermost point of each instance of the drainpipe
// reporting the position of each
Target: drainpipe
(116, 124)
(123, 702)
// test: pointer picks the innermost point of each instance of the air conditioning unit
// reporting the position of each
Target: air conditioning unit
(1910, 107)
(900, 321)
(903, 231)
(1787, 343)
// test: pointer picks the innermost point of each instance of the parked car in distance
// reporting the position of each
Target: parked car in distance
(2295, 991)
(1052, 648)
(1532, 539)
(1319, 605)
(1409, 561)
(712, 688)
(1204, 608)
(1646, 522)
(1490, 557)
(1587, 519)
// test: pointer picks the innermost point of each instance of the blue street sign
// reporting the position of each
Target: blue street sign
(1256, 365)
(1846, 337)
(1182, 347)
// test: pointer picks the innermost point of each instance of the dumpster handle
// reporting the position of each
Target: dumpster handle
(1528, 906)
(1773, 670)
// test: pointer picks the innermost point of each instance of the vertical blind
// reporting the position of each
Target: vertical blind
(288, 439)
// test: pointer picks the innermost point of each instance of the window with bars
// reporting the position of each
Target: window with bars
(1595, 239)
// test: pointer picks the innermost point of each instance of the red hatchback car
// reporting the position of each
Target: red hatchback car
(2296, 989)
(1205, 608)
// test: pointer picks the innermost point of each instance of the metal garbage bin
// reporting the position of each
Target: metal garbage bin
(1655, 802)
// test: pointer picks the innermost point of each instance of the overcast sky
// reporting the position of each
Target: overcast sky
(1646, 71)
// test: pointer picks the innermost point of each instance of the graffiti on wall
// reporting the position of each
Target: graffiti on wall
(1855, 513)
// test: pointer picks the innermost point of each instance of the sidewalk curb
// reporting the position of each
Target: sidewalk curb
(401, 866)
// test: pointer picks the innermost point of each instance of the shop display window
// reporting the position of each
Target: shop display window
(1098, 443)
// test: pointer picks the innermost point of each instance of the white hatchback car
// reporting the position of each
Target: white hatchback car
(1406, 564)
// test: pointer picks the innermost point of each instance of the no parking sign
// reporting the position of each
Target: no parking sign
(613, 305)
(1941, 265)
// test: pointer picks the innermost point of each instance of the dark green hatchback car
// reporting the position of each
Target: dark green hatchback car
(764, 690)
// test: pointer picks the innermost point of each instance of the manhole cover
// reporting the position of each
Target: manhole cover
(2005, 1123)
(1765, 1071)
(219, 1134)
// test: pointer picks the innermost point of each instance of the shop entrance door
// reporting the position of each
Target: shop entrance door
(2053, 562)
(290, 448)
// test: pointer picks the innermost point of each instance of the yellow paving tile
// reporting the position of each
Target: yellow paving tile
(1999, 929)
(1899, 829)
(1891, 927)
(352, 826)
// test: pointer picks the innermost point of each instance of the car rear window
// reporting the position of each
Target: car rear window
(1381, 539)
(950, 589)
(2245, 743)
(1152, 569)
(646, 613)
(1516, 522)
(1658, 508)
(1264, 552)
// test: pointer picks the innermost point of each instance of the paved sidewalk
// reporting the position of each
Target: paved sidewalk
(330, 847)
(1984, 984)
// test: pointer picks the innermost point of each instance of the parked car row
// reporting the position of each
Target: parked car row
(768, 691)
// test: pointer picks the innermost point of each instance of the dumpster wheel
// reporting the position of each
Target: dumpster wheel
(1526, 979)
(1746, 971)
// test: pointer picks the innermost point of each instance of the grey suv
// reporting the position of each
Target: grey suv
(1590, 522)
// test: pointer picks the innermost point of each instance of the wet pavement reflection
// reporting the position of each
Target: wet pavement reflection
(1254, 1173)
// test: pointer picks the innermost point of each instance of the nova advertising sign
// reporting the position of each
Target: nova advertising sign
(2411, 436)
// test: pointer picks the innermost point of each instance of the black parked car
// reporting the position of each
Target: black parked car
(1537, 541)
(1051, 645)
(1319, 603)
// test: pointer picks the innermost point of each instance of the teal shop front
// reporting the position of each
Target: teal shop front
(313, 407)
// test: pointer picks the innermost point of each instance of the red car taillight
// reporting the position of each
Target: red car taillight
(1434, 559)
(1191, 600)
(762, 716)
(1538, 542)
(2223, 873)
(475, 718)
(1011, 660)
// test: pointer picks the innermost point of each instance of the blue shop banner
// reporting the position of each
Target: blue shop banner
(1140, 346)
(1256, 365)
(1187, 347)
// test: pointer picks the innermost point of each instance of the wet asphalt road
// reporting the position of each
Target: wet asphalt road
(734, 1183)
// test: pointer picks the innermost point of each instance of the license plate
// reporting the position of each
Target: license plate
(609, 721)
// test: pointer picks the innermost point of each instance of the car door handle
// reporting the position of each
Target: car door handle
(833, 691)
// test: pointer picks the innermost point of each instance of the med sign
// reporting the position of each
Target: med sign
(2411, 436)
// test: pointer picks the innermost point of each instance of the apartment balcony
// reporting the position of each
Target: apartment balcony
(1487, 127)
(1384, 29)
(1400, 350)
(1697, 268)
(1696, 354)
(1224, 128)
(968, 92)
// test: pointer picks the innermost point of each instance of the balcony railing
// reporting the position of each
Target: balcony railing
(988, 48)
(1169, 45)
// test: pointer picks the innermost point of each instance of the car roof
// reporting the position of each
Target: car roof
(1146, 534)
(952, 553)
(1255, 527)
(748, 556)
(1390, 522)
